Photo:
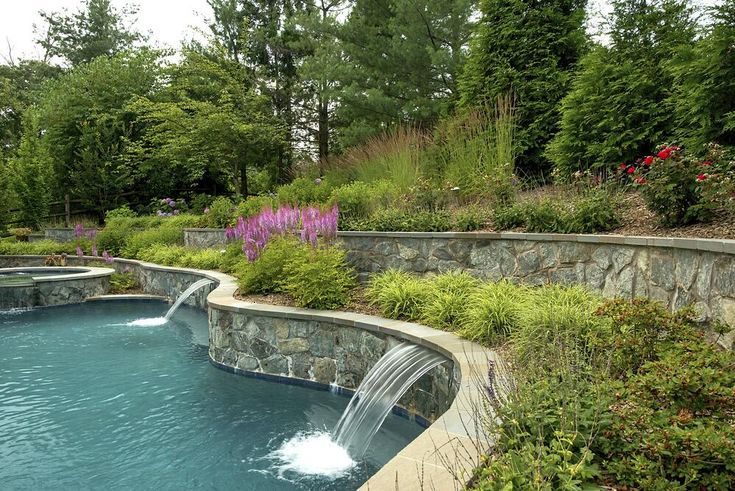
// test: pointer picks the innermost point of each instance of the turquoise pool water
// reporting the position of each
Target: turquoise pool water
(87, 402)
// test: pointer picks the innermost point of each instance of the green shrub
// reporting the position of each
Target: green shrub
(113, 237)
(253, 205)
(671, 422)
(597, 211)
(122, 283)
(304, 191)
(638, 330)
(395, 220)
(672, 191)
(139, 241)
(355, 200)
(398, 294)
(220, 212)
(320, 279)
(40, 248)
(233, 259)
(509, 217)
(183, 257)
(447, 301)
(200, 202)
(264, 275)
(469, 220)
(492, 311)
(120, 212)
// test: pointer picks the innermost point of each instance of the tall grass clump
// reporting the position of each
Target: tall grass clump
(394, 156)
(475, 152)
(553, 326)
(493, 310)
(398, 294)
(447, 299)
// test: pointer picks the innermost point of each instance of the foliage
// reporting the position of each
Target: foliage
(402, 62)
(398, 294)
(538, 73)
(123, 211)
(138, 242)
(185, 257)
(618, 107)
(397, 220)
(123, 283)
(254, 205)
(96, 29)
(593, 211)
(40, 248)
(671, 188)
(220, 213)
(704, 84)
(304, 191)
(265, 274)
(476, 154)
(446, 303)
(553, 328)
(670, 421)
(469, 219)
(319, 279)
(492, 312)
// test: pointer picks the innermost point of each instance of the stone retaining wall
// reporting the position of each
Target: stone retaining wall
(204, 237)
(677, 272)
(321, 352)
(58, 291)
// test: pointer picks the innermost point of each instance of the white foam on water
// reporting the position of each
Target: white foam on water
(148, 322)
(314, 454)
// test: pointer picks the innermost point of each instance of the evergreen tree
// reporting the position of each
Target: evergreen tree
(528, 48)
(704, 95)
(402, 58)
(96, 29)
(618, 107)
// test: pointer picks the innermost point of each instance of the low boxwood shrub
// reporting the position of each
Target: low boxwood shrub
(397, 220)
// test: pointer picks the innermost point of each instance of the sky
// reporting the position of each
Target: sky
(167, 21)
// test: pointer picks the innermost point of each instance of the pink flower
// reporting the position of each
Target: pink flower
(80, 252)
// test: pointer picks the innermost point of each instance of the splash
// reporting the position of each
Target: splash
(313, 454)
(148, 322)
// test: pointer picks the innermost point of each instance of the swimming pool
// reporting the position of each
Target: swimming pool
(89, 402)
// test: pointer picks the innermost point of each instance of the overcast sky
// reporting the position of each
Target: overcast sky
(168, 21)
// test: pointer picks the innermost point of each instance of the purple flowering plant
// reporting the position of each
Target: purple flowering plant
(308, 224)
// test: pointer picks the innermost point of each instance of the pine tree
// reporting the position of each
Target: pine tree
(528, 48)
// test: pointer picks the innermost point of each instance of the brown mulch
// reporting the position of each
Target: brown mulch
(358, 303)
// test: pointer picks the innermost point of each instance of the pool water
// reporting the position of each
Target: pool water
(88, 402)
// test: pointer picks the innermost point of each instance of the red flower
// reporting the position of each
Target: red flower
(701, 177)
(648, 160)
(621, 166)
(630, 170)
(665, 153)
(706, 163)
(640, 180)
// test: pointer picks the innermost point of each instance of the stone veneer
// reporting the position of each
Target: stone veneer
(322, 347)
(204, 237)
(64, 288)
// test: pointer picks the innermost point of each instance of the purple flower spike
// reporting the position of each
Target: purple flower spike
(94, 250)
(78, 230)
(80, 252)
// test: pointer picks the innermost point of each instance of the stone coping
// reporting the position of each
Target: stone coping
(80, 272)
(445, 454)
(137, 296)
